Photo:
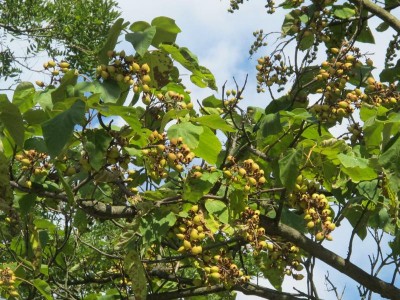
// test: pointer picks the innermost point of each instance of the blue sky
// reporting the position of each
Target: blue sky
(221, 41)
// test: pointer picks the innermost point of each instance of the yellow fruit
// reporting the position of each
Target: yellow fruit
(335, 50)
(135, 67)
(196, 250)
(187, 244)
(214, 269)
(252, 181)
(145, 68)
(197, 282)
(194, 235)
(25, 161)
(310, 225)
(146, 79)
(319, 236)
(227, 174)
(197, 174)
(171, 156)
(215, 276)
(197, 220)
(194, 208)
(371, 81)
(39, 83)
(64, 64)
(70, 171)
(180, 236)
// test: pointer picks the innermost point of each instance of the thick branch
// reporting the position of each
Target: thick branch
(376, 285)
(380, 12)
(106, 211)
(247, 289)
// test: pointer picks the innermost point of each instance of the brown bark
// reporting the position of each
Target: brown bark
(290, 234)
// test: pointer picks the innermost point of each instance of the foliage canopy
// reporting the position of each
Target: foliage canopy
(116, 185)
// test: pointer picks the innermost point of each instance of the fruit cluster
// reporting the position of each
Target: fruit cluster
(34, 166)
(315, 206)
(124, 68)
(56, 69)
(379, 94)
(7, 281)
(356, 132)
(335, 73)
(283, 256)
(247, 174)
(159, 154)
(192, 231)
(259, 42)
(222, 269)
(173, 100)
(232, 99)
(252, 232)
(272, 71)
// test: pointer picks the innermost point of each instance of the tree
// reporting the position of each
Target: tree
(73, 30)
(179, 202)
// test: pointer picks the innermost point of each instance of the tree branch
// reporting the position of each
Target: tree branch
(380, 12)
(247, 289)
(106, 211)
(376, 285)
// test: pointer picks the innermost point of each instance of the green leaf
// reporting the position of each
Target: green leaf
(43, 98)
(36, 143)
(279, 104)
(288, 23)
(141, 40)
(366, 36)
(109, 91)
(139, 26)
(27, 203)
(209, 146)
(369, 189)
(211, 101)
(12, 120)
(58, 130)
(162, 70)
(273, 274)
(167, 31)
(344, 11)
(43, 288)
(306, 41)
(23, 96)
(172, 115)
(97, 144)
(135, 270)
(237, 202)
(63, 90)
(289, 168)
(390, 156)
(194, 188)
(390, 74)
(382, 27)
(356, 168)
(190, 133)
(218, 208)
(154, 226)
(293, 219)
(269, 125)
(35, 116)
(214, 122)
(201, 76)
(129, 114)
(111, 42)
